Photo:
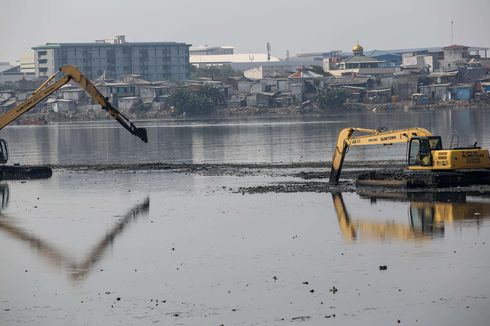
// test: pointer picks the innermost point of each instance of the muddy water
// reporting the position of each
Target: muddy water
(144, 247)
(211, 256)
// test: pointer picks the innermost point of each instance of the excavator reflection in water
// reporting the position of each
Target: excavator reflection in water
(53, 255)
(429, 214)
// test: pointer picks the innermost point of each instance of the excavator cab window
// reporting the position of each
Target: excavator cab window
(435, 143)
(419, 152)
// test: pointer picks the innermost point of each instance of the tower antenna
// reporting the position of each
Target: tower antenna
(268, 51)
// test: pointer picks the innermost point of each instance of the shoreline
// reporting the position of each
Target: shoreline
(255, 112)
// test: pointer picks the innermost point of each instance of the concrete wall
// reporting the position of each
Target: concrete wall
(454, 58)
(244, 86)
(404, 85)
(258, 87)
(254, 73)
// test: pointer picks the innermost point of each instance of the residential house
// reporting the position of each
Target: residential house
(265, 71)
(436, 92)
(455, 56)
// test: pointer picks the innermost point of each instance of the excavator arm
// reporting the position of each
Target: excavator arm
(71, 73)
(370, 137)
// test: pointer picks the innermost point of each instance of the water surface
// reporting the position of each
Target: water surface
(100, 248)
(273, 140)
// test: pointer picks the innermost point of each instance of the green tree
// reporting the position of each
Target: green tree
(330, 98)
(201, 102)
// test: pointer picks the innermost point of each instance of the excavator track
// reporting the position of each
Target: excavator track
(24, 172)
(402, 178)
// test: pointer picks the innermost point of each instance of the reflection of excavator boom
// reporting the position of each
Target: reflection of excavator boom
(47, 88)
(57, 257)
(425, 151)
(352, 230)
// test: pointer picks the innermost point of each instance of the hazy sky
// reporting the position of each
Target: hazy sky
(297, 25)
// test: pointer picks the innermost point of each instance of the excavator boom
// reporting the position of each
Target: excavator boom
(77, 76)
(71, 73)
(370, 137)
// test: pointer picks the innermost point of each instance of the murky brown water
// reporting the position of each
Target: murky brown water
(117, 247)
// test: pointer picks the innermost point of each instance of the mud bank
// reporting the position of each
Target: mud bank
(303, 170)
(302, 177)
(350, 186)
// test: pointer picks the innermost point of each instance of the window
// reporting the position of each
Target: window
(414, 151)
(420, 152)
(435, 143)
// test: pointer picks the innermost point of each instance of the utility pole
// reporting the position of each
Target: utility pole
(452, 31)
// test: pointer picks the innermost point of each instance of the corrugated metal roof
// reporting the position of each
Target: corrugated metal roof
(4, 68)
(305, 74)
(436, 85)
(363, 59)
(443, 74)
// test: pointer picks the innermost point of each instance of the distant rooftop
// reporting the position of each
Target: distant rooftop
(456, 47)
(230, 58)
(363, 59)
(60, 45)
(393, 51)
(118, 40)
(207, 47)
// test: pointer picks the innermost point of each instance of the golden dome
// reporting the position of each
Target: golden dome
(357, 49)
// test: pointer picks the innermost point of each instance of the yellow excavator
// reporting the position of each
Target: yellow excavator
(425, 151)
(50, 86)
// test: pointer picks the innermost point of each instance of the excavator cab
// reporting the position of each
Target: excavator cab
(4, 153)
(420, 150)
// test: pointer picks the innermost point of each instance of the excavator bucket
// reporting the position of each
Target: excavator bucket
(141, 133)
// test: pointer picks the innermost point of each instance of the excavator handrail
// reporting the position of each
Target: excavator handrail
(371, 137)
(71, 73)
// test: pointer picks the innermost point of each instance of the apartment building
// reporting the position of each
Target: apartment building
(116, 58)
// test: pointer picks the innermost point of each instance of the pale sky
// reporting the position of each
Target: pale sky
(295, 25)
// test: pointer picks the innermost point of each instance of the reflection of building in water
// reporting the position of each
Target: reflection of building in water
(55, 256)
(429, 214)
